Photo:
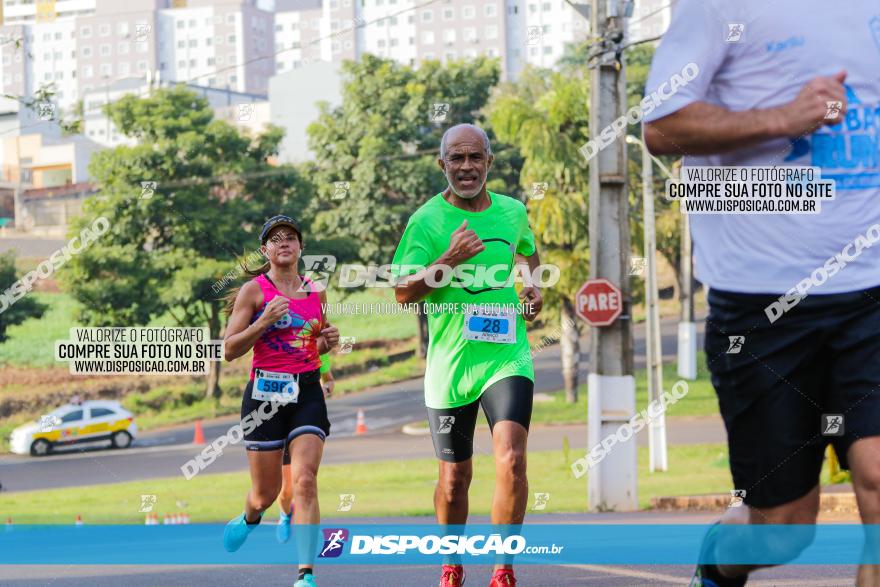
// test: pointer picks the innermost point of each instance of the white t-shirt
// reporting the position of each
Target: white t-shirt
(784, 44)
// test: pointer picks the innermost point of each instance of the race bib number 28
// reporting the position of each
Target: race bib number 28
(490, 324)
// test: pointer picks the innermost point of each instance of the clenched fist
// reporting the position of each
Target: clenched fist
(815, 105)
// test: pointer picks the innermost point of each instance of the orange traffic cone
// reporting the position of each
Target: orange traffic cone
(361, 427)
(199, 435)
(79, 520)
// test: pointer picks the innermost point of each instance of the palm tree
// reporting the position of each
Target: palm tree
(546, 116)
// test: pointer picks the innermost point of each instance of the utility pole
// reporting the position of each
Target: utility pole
(611, 385)
(657, 427)
(687, 327)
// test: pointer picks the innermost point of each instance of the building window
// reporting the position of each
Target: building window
(193, 42)
(448, 14)
(470, 34)
(85, 32)
(548, 50)
(428, 16)
(124, 69)
(122, 28)
(428, 38)
(88, 71)
(122, 49)
(181, 64)
(381, 43)
(468, 12)
(142, 66)
(106, 70)
(87, 51)
(230, 39)
(58, 36)
(105, 50)
(192, 62)
(181, 44)
(392, 43)
(491, 31)
(180, 24)
(104, 30)
(490, 10)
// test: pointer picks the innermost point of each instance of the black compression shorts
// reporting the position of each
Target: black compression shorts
(452, 429)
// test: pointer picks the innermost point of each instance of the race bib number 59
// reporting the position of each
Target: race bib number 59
(282, 388)
(490, 324)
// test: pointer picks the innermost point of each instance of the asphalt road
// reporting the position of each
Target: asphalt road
(387, 408)
(423, 575)
(29, 246)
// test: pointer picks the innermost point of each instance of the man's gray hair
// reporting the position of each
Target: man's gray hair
(479, 130)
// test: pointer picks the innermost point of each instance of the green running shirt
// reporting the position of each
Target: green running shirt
(459, 369)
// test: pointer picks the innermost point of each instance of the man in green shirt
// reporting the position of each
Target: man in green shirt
(458, 254)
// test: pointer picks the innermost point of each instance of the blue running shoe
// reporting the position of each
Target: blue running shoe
(282, 532)
(236, 532)
(706, 575)
(308, 580)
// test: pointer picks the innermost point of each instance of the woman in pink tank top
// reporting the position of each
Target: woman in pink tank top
(279, 315)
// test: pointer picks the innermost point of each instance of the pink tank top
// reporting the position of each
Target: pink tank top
(291, 344)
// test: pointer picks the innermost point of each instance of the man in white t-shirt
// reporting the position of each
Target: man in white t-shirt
(782, 83)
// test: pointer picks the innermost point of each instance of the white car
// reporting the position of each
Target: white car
(89, 421)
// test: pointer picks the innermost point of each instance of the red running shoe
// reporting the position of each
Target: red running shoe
(503, 578)
(452, 576)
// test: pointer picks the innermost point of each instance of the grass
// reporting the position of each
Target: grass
(388, 488)
(699, 401)
(32, 343)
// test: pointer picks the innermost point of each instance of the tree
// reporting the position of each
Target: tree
(22, 308)
(167, 246)
(384, 140)
(545, 113)
(668, 217)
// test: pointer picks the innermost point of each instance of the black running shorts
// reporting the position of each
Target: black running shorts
(307, 416)
(788, 388)
(452, 429)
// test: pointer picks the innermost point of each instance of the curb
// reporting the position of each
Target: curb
(835, 502)
(413, 430)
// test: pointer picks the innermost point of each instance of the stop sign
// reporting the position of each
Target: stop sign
(599, 302)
